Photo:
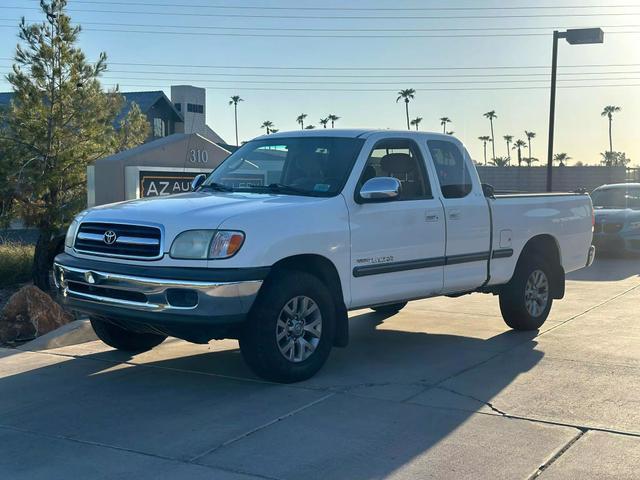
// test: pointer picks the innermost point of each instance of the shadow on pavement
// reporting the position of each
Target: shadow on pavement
(189, 408)
(607, 268)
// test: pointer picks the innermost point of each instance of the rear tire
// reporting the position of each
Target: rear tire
(125, 340)
(390, 309)
(289, 333)
(526, 300)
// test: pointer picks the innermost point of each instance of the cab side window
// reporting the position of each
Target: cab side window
(452, 171)
(400, 159)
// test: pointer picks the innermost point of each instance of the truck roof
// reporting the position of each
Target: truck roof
(353, 133)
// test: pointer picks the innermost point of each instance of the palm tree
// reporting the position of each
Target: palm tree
(268, 126)
(416, 121)
(324, 121)
(309, 127)
(519, 145)
(508, 139)
(500, 162)
(300, 120)
(450, 133)
(275, 130)
(491, 115)
(530, 135)
(484, 139)
(443, 122)
(334, 119)
(530, 160)
(608, 112)
(235, 99)
(407, 95)
(561, 158)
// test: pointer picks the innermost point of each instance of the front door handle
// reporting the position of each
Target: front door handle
(454, 215)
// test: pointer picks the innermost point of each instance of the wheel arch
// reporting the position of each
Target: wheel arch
(326, 271)
(547, 247)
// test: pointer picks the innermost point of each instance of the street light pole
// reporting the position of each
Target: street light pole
(579, 36)
(552, 110)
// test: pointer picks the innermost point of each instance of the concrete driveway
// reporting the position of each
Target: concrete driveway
(441, 390)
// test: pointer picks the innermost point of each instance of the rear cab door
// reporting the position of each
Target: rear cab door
(397, 247)
(466, 212)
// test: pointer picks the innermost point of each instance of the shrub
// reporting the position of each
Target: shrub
(16, 260)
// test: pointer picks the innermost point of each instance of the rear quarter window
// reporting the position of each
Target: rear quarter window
(452, 171)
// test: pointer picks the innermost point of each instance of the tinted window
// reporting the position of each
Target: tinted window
(316, 166)
(400, 159)
(617, 198)
(455, 181)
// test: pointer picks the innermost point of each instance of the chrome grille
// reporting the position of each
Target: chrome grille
(132, 241)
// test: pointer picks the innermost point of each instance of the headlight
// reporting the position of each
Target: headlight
(71, 233)
(206, 244)
(634, 225)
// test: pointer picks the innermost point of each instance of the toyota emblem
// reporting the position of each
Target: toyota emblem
(110, 237)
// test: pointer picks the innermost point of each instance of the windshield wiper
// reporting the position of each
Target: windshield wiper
(282, 188)
(217, 186)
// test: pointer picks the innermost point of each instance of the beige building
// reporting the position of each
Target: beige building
(162, 167)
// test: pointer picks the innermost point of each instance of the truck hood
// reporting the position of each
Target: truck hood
(196, 210)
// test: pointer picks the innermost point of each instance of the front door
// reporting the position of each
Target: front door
(397, 247)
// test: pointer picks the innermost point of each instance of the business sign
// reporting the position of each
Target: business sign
(159, 184)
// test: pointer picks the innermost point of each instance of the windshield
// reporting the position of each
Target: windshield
(314, 166)
(617, 198)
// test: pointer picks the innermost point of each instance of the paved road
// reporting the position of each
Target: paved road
(441, 390)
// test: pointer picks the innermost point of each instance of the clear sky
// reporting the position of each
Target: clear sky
(201, 44)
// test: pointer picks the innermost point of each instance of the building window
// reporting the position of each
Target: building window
(159, 128)
(178, 107)
(195, 108)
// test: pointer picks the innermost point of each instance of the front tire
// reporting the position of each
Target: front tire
(525, 302)
(289, 333)
(125, 340)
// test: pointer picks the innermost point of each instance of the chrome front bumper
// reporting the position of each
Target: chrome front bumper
(104, 293)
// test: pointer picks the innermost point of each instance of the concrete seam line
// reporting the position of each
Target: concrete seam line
(557, 455)
(127, 450)
(261, 427)
(488, 404)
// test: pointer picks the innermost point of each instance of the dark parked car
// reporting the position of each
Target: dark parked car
(617, 217)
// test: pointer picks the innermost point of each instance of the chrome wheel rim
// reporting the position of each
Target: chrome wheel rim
(536, 293)
(298, 329)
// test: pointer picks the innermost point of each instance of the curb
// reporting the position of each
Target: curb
(78, 331)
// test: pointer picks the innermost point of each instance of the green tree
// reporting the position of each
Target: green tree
(450, 132)
(484, 139)
(608, 112)
(443, 122)
(59, 122)
(407, 95)
(508, 139)
(324, 122)
(500, 162)
(300, 120)
(334, 119)
(132, 130)
(310, 127)
(268, 126)
(530, 160)
(519, 145)
(529, 135)
(561, 158)
(416, 121)
(235, 99)
(491, 115)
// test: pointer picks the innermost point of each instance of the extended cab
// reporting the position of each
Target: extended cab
(293, 230)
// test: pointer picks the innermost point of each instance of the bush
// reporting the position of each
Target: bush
(16, 260)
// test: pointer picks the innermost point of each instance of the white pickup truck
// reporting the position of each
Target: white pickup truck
(293, 230)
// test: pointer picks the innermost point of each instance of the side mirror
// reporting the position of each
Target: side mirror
(488, 190)
(380, 189)
(197, 181)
